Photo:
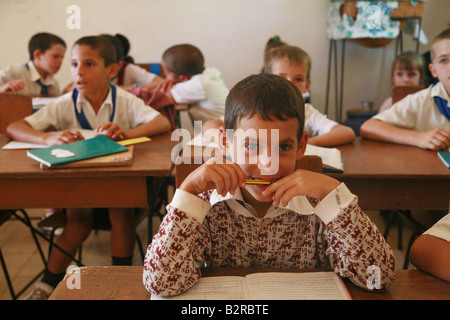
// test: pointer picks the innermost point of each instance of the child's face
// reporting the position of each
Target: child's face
(51, 60)
(405, 77)
(440, 66)
(297, 73)
(259, 148)
(89, 73)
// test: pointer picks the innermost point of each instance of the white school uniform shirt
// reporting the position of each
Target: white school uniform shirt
(59, 114)
(418, 111)
(135, 74)
(30, 76)
(206, 90)
(441, 229)
(317, 123)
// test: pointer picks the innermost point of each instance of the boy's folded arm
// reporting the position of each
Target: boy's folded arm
(358, 247)
(171, 263)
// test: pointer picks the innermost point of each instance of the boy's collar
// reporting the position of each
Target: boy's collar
(438, 89)
(35, 76)
(82, 99)
(298, 204)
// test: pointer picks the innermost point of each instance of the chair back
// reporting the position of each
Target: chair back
(399, 92)
(153, 67)
(13, 107)
(182, 170)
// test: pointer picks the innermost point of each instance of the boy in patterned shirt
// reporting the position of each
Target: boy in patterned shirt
(302, 219)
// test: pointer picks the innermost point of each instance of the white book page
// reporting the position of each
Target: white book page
(296, 286)
(213, 288)
(16, 145)
(330, 156)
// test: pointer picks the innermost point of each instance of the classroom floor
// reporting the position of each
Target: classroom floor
(24, 263)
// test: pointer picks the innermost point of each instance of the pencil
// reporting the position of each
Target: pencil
(251, 181)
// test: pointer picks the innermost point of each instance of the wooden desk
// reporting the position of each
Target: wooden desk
(125, 283)
(24, 185)
(392, 176)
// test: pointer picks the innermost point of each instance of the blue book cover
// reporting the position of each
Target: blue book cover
(76, 151)
(445, 157)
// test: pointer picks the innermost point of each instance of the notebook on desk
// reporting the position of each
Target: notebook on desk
(268, 286)
(76, 151)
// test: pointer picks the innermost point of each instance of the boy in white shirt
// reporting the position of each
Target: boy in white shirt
(294, 64)
(421, 119)
(190, 82)
(36, 77)
(94, 104)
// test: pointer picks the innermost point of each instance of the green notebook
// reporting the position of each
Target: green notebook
(76, 151)
(445, 157)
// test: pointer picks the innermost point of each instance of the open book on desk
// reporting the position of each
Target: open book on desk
(268, 286)
(332, 160)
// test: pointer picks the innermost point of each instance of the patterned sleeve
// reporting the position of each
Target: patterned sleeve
(171, 264)
(360, 252)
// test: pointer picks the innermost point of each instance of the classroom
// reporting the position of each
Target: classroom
(350, 80)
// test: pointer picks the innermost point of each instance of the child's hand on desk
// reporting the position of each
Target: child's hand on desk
(300, 182)
(436, 139)
(63, 137)
(216, 173)
(112, 131)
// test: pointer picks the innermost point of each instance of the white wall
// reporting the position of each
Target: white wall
(231, 33)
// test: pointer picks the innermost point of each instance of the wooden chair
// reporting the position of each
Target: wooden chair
(399, 92)
(14, 107)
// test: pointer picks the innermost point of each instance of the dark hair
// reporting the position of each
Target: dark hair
(184, 59)
(117, 45)
(267, 96)
(43, 41)
(445, 34)
(126, 47)
(104, 47)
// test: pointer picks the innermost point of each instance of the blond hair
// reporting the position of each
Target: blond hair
(290, 53)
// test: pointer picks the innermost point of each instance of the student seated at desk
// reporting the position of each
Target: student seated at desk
(92, 67)
(36, 76)
(190, 82)
(301, 220)
(431, 251)
(407, 70)
(421, 119)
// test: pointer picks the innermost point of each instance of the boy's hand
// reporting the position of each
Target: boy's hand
(63, 137)
(112, 131)
(436, 139)
(300, 182)
(13, 86)
(216, 173)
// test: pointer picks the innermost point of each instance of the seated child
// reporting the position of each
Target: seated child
(91, 105)
(36, 76)
(301, 220)
(431, 251)
(407, 70)
(192, 83)
(421, 119)
(294, 64)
